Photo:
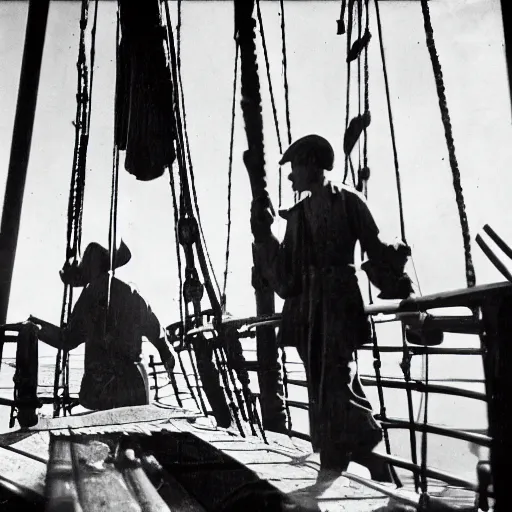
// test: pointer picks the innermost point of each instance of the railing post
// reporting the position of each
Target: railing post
(497, 359)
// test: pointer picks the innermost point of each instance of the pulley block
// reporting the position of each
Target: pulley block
(193, 289)
(188, 231)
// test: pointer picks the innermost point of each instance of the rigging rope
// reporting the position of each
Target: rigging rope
(237, 411)
(185, 207)
(112, 234)
(271, 90)
(445, 117)
(363, 187)
(218, 356)
(230, 175)
(112, 231)
(183, 122)
(234, 354)
(180, 277)
(405, 365)
(391, 124)
(286, 88)
(377, 364)
(365, 176)
(459, 196)
(347, 111)
(91, 80)
(359, 34)
(187, 214)
(93, 58)
(285, 389)
(77, 177)
(285, 74)
(76, 197)
(424, 483)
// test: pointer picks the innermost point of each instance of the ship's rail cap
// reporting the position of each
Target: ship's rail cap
(464, 297)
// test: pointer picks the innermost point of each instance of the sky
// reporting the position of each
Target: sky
(469, 39)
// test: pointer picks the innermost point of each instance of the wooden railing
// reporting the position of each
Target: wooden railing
(488, 299)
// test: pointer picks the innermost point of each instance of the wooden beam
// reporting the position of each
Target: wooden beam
(20, 147)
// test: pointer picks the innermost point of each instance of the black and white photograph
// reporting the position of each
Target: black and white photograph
(255, 255)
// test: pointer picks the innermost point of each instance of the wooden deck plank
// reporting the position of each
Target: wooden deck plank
(23, 470)
(286, 441)
(258, 448)
(247, 455)
(281, 471)
(275, 462)
(204, 432)
(123, 415)
(32, 443)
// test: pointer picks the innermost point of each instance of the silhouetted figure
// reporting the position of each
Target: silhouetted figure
(323, 314)
(112, 328)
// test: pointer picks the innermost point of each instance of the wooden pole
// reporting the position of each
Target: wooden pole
(270, 382)
(20, 147)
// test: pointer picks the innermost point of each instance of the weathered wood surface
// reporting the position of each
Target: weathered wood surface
(285, 463)
(23, 471)
(285, 468)
(61, 488)
(121, 416)
(176, 496)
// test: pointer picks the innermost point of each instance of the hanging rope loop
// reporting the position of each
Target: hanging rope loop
(75, 201)
(189, 200)
(209, 363)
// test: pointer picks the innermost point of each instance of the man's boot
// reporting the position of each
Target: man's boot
(379, 469)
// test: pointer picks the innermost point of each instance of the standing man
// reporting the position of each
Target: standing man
(323, 314)
(112, 328)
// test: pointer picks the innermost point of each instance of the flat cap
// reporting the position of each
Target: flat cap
(311, 147)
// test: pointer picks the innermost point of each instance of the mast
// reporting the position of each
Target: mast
(20, 147)
(269, 377)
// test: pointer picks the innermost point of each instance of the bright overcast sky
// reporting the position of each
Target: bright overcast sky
(469, 39)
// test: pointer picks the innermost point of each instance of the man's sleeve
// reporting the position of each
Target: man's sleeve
(386, 265)
(150, 324)
(279, 263)
(363, 223)
(82, 314)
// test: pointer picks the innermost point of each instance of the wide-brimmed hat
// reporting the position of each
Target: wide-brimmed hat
(310, 147)
(80, 274)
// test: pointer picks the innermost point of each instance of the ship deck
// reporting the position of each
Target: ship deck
(286, 463)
